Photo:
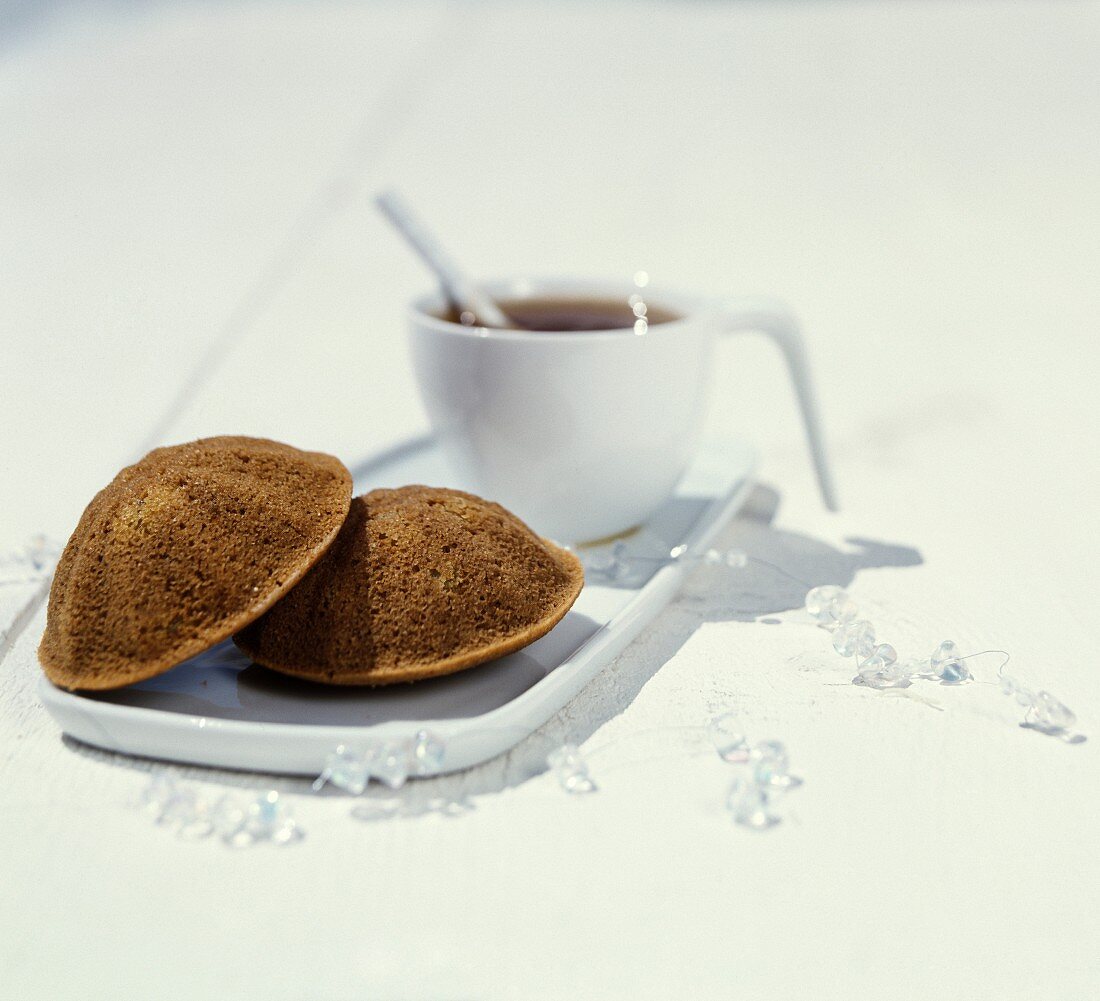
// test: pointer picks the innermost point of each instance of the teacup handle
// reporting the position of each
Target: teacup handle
(775, 320)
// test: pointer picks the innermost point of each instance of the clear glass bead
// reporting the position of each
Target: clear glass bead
(773, 782)
(946, 651)
(854, 638)
(732, 558)
(346, 769)
(770, 763)
(1008, 684)
(886, 653)
(728, 739)
(779, 787)
(389, 763)
(842, 609)
(748, 805)
(953, 672)
(269, 818)
(1052, 713)
(571, 769)
(263, 812)
(286, 831)
(871, 665)
(873, 679)
(841, 643)
(428, 751)
(818, 600)
(865, 639)
(877, 672)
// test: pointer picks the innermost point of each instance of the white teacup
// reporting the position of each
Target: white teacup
(584, 434)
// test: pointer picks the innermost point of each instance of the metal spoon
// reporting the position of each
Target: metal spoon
(462, 292)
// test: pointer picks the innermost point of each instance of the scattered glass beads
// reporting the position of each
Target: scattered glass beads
(764, 772)
(754, 792)
(818, 600)
(236, 821)
(730, 743)
(841, 610)
(954, 672)
(875, 673)
(878, 666)
(618, 564)
(852, 638)
(735, 559)
(1049, 712)
(748, 804)
(1043, 710)
(881, 669)
(947, 665)
(268, 818)
(390, 762)
(771, 767)
(428, 752)
(945, 652)
(346, 769)
(571, 769)
(886, 653)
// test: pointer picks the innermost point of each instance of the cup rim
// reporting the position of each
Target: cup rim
(420, 309)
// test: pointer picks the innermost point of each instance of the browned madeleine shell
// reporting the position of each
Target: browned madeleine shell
(181, 550)
(420, 582)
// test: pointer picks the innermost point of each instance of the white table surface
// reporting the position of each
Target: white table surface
(187, 247)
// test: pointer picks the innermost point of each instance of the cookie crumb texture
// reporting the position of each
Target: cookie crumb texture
(182, 549)
(420, 582)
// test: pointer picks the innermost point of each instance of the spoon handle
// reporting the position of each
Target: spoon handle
(463, 293)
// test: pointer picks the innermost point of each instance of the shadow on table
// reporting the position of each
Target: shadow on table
(783, 565)
(711, 595)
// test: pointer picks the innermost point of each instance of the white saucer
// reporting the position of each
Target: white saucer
(219, 709)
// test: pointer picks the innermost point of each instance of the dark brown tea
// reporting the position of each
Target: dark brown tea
(559, 314)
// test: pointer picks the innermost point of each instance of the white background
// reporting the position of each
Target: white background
(187, 248)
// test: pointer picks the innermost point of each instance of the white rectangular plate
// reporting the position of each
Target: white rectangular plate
(221, 710)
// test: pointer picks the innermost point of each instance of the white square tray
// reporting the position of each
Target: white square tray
(219, 709)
